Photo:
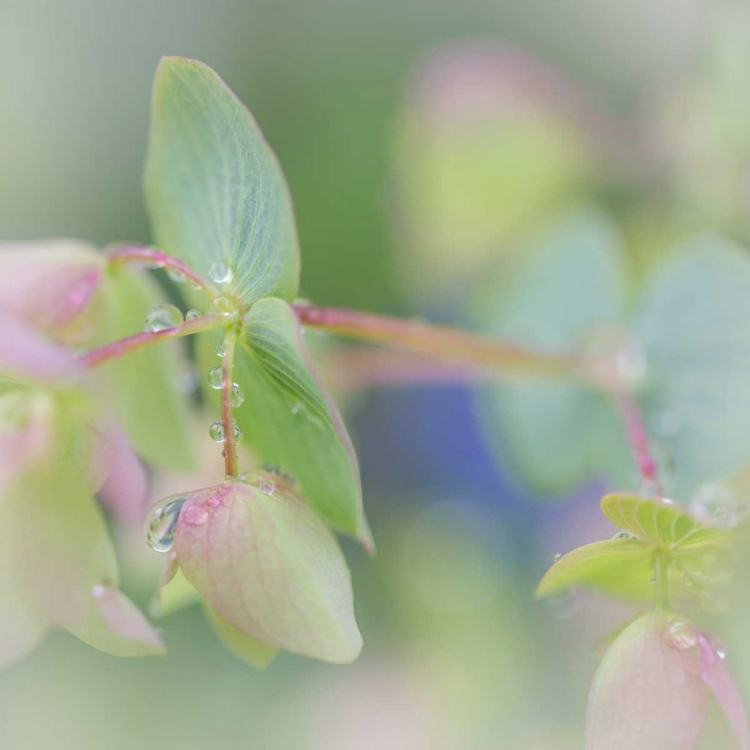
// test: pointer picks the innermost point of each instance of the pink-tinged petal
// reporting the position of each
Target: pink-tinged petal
(113, 624)
(27, 356)
(645, 696)
(267, 565)
(50, 284)
(125, 487)
(717, 676)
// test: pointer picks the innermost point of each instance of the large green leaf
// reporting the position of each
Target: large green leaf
(287, 418)
(695, 322)
(141, 386)
(215, 191)
(558, 433)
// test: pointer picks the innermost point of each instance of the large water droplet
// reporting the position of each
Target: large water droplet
(216, 431)
(224, 306)
(192, 314)
(162, 317)
(161, 523)
(216, 378)
(681, 634)
(564, 605)
(718, 504)
(220, 273)
(236, 395)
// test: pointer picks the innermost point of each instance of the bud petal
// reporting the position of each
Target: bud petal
(253, 652)
(645, 694)
(267, 565)
(49, 284)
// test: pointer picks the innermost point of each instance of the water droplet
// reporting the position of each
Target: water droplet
(284, 478)
(163, 317)
(238, 434)
(176, 276)
(99, 591)
(161, 523)
(195, 514)
(236, 395)
(298, 410)
(267, 487)
(216, 378)
(622, 534)
(213, 502)
(718, 646)
(220, 349)
(667, 501)
(557, 557)
(220, 273)
(564, 605)
(224, 306)
(681, 634)
(718, 504)
(216, 431)
(192, 314)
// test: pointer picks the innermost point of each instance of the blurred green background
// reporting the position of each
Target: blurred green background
(457, 654)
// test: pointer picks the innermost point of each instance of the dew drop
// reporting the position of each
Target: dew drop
(220, 349)
(196, 514)
(236, 395)
(216, 378)
(622, 534)
(717, 504)
(99, 591)
(557, 557)
(176, 276)
(192, 314)
(298, 410)
(220, 273)
(718, 646)
(681, 634)
(223, 306)
(216, 431)
(161, 523)
(213, 502)
(284, 478)
(163, 317)
(267, 487)
(564, 605)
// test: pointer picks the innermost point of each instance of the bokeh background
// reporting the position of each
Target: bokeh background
(423, 140)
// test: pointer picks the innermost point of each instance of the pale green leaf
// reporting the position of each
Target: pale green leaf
(141, 387)
(557, 434)
(215, 191)
(288, 419)
(695, 322)
(253, 652)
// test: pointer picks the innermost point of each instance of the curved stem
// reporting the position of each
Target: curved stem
(227, 366)
(438, 341)
(140, 340)
(162, 260)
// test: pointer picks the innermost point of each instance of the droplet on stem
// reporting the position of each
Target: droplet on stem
(220, 273)
(236, 395)
(216, 378)
(223, 306)
(162, 317)
(192, 314)
(216, 431)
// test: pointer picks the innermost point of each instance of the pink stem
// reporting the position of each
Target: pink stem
(147, 338)
(638, 439)
(434, 341)
(158, 258)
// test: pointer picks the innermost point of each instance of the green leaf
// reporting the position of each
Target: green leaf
(214, 188)
(695, 322)
(557, 434)
(141, 386)
(288, 419)
(253, 652)
(620, 568)
(664, 525)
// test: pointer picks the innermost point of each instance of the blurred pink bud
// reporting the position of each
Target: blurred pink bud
(652, 688)
(267, 565)
(50, 285)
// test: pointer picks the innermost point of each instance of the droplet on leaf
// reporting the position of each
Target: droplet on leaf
(192, 314)
(162, 317)
(161, 523)
(220, 273)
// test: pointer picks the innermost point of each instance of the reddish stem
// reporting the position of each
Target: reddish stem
(147, 338)
(158, 258)
(230, 444)
(435, 341)
(638, 439)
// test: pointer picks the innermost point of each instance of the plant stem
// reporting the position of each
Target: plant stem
(637, 437)
(661, 580)
(140, 340)
(162, 260)
(438, 341)
(227, 365)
